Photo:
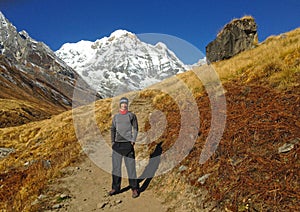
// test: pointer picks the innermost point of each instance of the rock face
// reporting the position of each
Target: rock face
(32, 68)
(237, 36)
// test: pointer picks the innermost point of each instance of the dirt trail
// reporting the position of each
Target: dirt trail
(85, 185)
(85, 188)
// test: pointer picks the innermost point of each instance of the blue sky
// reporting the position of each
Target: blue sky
(197, 22)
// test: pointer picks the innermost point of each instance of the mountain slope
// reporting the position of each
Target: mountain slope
(29, 70)
(120, 63)
(17, 87)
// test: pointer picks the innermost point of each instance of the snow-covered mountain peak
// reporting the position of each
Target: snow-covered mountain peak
(3, 19)
(161, 45)
(24, 34)
(81, 45)
(5, 26)
(121, 62)
(114, 37)
(121, 33)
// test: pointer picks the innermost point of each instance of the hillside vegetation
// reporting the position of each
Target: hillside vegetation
(21, 100)
(246, 173)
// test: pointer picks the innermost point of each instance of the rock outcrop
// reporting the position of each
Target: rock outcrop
(237, 36)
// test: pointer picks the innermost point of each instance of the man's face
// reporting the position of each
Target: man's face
(124, 106)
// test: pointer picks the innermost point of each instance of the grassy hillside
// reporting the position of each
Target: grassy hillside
(18, 112)
(274, 63)
(23, 101)
(246, 173)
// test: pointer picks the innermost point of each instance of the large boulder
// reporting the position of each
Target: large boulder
(237, 36)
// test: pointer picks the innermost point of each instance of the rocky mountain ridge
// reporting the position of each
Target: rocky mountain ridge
(33, 68)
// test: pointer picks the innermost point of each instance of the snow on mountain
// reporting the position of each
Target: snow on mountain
(200, 62)
(120, 63)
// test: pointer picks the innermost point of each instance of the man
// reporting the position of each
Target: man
(124, 132)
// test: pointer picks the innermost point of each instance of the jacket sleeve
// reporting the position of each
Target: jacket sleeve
(135, 127)
(113, 130)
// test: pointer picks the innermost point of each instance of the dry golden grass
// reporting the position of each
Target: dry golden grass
(18, 112)
(270, 73)
(25, 172)
(275, 62)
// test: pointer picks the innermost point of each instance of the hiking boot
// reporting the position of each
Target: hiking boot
(112, 192)
(135, 193)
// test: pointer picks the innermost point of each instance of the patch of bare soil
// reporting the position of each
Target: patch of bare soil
(84, 187)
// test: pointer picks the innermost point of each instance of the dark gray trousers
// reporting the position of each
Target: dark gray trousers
(123, 150)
